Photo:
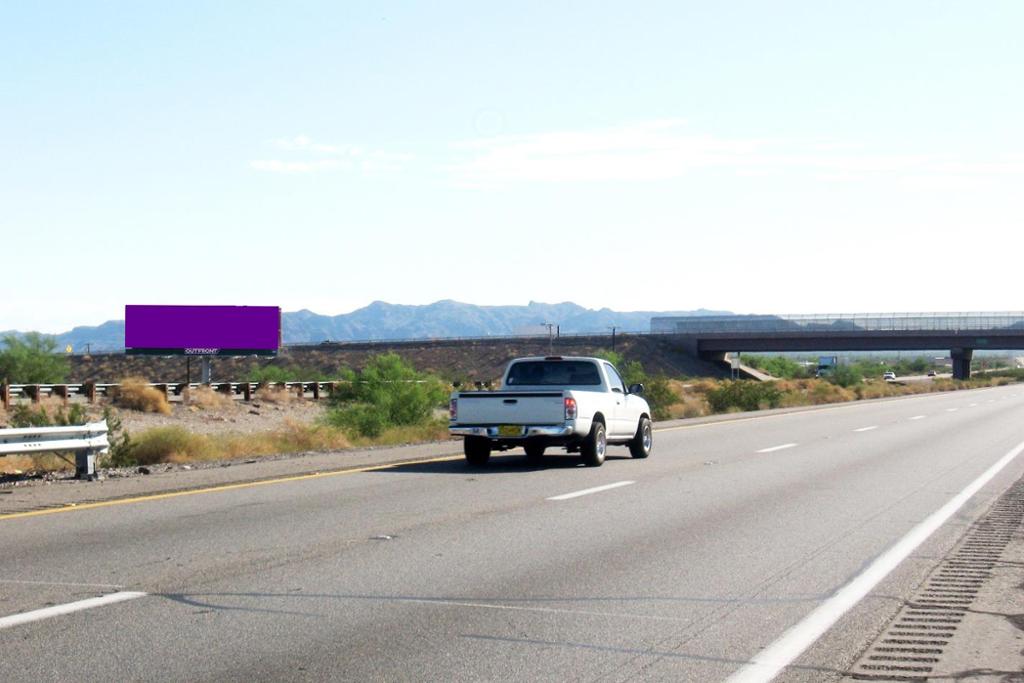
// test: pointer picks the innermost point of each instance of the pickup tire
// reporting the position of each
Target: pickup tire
(534, 452)
(643, 440)
(477, 450)
(593, 448)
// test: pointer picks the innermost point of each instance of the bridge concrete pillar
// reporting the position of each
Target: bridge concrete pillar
(961, 363)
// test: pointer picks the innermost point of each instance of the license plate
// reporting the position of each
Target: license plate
(510, 430)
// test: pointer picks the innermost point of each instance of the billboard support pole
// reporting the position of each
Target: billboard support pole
(207, 373)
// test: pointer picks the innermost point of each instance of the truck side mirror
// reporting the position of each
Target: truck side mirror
(636, 389)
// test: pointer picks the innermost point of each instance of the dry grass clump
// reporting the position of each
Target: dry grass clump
(136, 394)
(690, 405)
(434, 430)
(692, 398)
(178, 445)
(205, 398)
(24, 464)
(274, 394)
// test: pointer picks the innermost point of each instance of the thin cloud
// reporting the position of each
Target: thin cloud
(667, 149)
(309, 156)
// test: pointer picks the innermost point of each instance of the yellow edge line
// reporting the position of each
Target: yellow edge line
(72, 507)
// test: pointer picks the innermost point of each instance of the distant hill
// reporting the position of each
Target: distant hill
(381, 320)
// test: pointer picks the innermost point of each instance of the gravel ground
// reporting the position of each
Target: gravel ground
(225, 417)
(245, 418)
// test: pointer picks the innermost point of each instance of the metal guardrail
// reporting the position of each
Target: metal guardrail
(12, 393)
(86, 441)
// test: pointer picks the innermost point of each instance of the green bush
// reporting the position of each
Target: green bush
(777, 366)
(660, 397)
(656, 389)
(388, 392)
(281, 373)
(27, 416)
(743, 395)
(845, 376)
(32, 359)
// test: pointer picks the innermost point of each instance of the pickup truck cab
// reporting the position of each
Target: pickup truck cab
(577, 403)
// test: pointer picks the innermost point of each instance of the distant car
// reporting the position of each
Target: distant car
(931, 373)
(889, 374)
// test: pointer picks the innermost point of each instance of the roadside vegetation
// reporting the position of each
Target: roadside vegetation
(32, 359)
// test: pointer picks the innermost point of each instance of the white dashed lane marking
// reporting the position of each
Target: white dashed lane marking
(777, 448)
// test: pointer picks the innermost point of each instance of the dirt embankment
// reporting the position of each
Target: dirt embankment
(471, 360)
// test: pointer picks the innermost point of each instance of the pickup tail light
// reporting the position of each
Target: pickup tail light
(570, 408)
(453, 408)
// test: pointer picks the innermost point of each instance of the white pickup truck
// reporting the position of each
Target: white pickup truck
(577, 403)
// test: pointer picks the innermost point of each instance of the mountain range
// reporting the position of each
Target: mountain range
(381, 320)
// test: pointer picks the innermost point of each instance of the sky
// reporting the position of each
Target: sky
(782, 157)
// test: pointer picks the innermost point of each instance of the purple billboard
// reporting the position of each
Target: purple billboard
(202, 330)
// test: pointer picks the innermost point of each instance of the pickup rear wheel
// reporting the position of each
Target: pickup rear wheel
(643, 440)
(594, 446)
(534, 452)
(477, 450)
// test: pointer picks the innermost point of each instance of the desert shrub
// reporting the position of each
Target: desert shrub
(136, 394)
(777, 366)
(743, 395)
(281, 373)
(274, 394)
(47, 415)
(32, 359)
(657, 391)
(166, 444)
(661, 397)
(207, 399)
(387, 392)
(845, 376)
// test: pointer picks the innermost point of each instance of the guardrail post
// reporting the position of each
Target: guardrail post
(162, 388)
(301, 390)
(247, 392)
(35, 391)
(62, 391)
(90, 391)
(5, 391)
(316, 391)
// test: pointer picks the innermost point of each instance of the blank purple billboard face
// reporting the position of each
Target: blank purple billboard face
(202, 330)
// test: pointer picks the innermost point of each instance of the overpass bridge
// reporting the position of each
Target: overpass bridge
(711, 337)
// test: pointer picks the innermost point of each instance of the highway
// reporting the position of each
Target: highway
(684, 566)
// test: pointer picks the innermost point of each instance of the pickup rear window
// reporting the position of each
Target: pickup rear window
(553, 373)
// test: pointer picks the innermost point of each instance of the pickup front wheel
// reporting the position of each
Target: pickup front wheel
(477, 450)
(594, 446)
(643, 440)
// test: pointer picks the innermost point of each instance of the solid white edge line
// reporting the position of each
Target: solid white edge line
(68, 608)
(917, 417)
(781, 653)
(777, 448)
(866, 429)
(596, 489)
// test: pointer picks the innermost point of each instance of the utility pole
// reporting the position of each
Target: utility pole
(613, 336)
(551, 337)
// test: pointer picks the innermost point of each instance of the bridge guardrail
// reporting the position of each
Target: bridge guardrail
(86, 441)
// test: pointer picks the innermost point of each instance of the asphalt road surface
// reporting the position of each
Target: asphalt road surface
(684, 566)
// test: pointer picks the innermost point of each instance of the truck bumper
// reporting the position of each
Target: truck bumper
(491, 432)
